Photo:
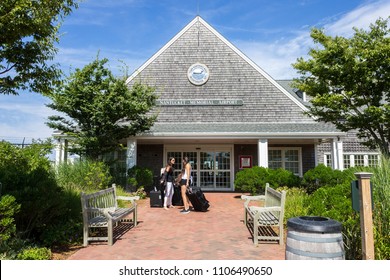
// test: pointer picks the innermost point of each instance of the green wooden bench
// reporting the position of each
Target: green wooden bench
(262, 219)
(100, 210)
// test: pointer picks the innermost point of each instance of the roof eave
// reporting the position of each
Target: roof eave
(242, 135)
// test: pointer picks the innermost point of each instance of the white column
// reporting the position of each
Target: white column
(263, 152)
(61, 151)
(131, 156)
(315, 154)
(337, 155)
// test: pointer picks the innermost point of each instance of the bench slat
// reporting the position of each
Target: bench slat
(100, 209)
(270, 215)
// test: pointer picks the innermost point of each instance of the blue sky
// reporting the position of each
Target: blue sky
(128, 32)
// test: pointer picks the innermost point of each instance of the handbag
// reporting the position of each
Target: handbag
(163, 179)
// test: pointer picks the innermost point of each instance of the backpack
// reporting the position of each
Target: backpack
(163, 177)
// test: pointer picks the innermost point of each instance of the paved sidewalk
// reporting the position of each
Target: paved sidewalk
(218, 234)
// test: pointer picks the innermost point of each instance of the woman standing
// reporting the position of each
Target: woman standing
(185, 183)
(169, 188)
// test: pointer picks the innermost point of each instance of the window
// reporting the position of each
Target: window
(275, 159)
(328, 160)
(352, 160)
(373, 160)
(347, 161)
(286, 158)
(358, 160)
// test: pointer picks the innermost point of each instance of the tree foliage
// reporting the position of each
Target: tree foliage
(100, 109)
(348, 80)
(28, 32)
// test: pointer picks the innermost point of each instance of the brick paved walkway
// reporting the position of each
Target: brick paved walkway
(218, 234)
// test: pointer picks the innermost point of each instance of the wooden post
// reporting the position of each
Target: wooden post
(366, 215)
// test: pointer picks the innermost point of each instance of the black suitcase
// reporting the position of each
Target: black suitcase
(177, 200)
(156, 198)
(197, 199)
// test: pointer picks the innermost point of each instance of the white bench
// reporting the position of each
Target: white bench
(100, 210)
(261, 220)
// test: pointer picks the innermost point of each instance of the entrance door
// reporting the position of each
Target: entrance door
(211, 167)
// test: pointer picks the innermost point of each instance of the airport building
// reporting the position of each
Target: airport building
(225, 113)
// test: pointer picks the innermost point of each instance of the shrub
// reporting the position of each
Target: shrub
(381, 213)
(321, 176)
(335, 202)
(282, 178)
(26, 174)
(252, 180)
(141, 193)
(140, 177)
(35, 253)
(8, 208)
(83, 175)
(64, 233)
(10, 248)
(295, 205)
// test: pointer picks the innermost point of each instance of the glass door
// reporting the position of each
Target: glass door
(211, 167)
(207, 169)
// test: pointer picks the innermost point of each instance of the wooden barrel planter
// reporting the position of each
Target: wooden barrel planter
(314, 238)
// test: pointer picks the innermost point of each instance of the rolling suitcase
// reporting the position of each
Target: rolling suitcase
(197, 199)
(177, 200)
(156, 198)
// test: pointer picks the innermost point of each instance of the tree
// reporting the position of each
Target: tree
(348, 80)
(100, 109)
(28, 32)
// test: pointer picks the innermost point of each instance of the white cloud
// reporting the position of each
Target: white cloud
(361, 17)
(276, 57)
(24, 111)
(24, 116)
(72, 58)
(98, 12)
(30, 129)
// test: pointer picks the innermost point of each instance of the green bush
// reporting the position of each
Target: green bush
(321, 176)
(65, 233)
(335, 202)
(8, 209)
(10, 248)
(83, 175)
(253, 179)
(35, 253)
(80, 176)
(26, 174)
(120, 191)
(282, 178)
(381, 213)
(139, 177)
(295, 205)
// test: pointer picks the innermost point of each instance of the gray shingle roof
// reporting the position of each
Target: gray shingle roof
(244, 129)
(286, 84)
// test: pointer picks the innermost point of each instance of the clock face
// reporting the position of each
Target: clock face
(198, 74)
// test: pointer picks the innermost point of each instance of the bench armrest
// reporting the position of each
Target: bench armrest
(103, 211)
(253, 197)
(94, 209)
(128, 198)
(249, 198)
(256, 209)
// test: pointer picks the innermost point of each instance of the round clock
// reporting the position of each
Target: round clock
(198, 74)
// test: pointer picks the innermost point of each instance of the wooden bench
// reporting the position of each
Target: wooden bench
(100, 210)
(261, 220)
